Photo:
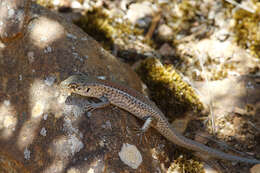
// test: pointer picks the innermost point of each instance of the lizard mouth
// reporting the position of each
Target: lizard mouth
(72, 80)
(64, 84)
(64, 87)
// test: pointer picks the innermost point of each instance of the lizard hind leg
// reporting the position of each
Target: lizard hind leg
(141, 131)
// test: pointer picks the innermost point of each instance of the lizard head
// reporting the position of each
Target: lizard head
(79, 84)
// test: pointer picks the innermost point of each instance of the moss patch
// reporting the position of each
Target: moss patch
(105, 29)
(247, 29)
(183, 165)
(45, 3)
(168, 90)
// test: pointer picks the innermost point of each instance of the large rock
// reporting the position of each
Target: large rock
(38, 131)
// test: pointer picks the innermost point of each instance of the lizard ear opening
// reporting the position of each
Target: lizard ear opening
(88, 89)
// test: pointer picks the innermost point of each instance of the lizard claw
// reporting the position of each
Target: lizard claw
(141, 134)
(89, 107)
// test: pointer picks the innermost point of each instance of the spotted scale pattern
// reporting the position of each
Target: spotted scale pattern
(135, 103)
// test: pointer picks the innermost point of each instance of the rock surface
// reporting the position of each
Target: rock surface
(255, 169)
(39, 132)
(140, 14)
(12, 19)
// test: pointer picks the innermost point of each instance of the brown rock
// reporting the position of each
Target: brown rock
(166, 50)
(140, 14)
(12, 19)
(255, 169)
(39, 132)
(165, 33)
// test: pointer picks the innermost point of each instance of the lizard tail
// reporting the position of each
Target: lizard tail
(182, 141)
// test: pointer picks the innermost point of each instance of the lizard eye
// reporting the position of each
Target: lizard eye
(73, 86)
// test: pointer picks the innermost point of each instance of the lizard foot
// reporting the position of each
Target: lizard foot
(141, 134)
(91, 106)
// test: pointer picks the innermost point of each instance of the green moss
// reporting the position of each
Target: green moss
(103, 28)
(247, 29)
(95, 23)
(45, 3)
(183, 165)
(168, 90)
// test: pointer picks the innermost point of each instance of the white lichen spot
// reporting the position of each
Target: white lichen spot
(68, 145)
(101, 144)
(71, 36)
(11, 13)
(50, 80)
(102, 50)
(48, 49)
(19, 17)
(7, 102)
(75, 144)
(76, 55)
(101, 77)
(107, 125)
(44, 31)
(20, 77)
(27, 153)
(43, 39)
(130, 155)
(84, 38)
(38, 109)
(45, 116)
(250, 85)
(43, 131)
(8, 119)
(89, 114)
(30, 56)
(68, 127)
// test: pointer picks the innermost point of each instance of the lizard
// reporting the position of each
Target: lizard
(140, 106)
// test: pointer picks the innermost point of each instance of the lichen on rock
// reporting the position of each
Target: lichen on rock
(130, 155)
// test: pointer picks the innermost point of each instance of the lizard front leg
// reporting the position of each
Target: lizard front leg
(86, 104)
(91, 106)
